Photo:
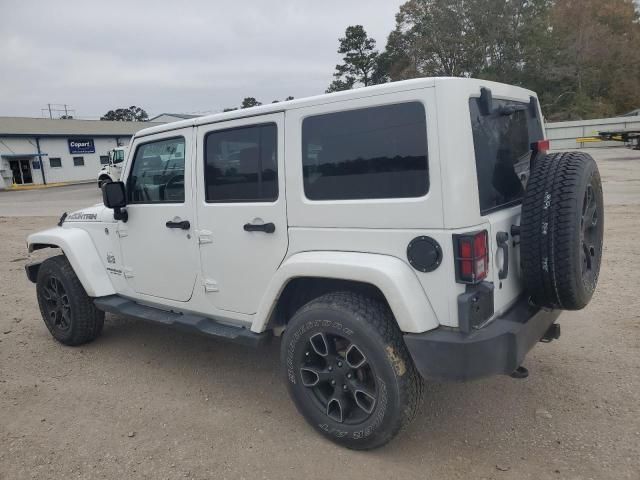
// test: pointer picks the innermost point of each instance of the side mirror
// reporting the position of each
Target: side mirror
(114, 196)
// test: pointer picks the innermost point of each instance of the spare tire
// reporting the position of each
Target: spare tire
(561, 230)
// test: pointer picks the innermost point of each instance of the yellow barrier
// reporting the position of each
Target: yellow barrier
(36, 186)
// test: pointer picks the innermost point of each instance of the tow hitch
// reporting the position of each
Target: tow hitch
(520, 372)
(553, 333)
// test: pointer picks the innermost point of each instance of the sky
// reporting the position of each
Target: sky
(179, 57)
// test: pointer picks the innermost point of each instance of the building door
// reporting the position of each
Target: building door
(21, 170)
(25, 169)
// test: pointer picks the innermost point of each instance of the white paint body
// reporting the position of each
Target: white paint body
(219, 270)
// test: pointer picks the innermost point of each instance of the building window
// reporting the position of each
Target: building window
(242, 164)
(55, 162)
(78, 161)
(104, 159)
(377, 152)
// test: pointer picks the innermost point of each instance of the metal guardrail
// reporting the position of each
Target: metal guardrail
(564, 135)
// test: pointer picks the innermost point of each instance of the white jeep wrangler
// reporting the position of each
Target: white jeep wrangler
(407, 230)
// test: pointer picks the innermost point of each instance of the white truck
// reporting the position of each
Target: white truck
(387, 235)
(112, 171)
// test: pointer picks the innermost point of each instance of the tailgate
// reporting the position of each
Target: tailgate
(504, 270)
(504, 136)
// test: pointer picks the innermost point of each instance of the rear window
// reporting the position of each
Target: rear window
(369, 153)
(502, 144)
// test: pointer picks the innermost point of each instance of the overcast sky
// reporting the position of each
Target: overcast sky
(184, 57)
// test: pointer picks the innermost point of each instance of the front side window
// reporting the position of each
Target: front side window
(157, 173)
(241, 164)
(370, 153)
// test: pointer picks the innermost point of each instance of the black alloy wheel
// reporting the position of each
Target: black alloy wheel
(348, 370)
(339, 378)
(57, 306)
(590, 239)
(68, 312)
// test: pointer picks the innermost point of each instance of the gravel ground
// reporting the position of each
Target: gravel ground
(148, 402)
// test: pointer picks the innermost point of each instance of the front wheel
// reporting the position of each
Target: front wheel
(67, 310)
(348, 370)
(102, 180)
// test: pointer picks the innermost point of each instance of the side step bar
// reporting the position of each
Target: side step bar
(184, 321)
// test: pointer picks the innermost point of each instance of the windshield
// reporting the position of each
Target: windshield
(502, 144)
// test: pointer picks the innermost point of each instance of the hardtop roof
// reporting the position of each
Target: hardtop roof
(283, 106)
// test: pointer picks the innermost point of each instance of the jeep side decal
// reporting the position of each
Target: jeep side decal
(82, 216)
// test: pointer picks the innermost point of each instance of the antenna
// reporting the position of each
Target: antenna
(55, 110)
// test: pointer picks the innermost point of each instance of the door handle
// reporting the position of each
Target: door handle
(260, 227)
(184, 224)
(502, 238)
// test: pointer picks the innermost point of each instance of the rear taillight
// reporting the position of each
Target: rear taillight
(471, 257)
(541, 146)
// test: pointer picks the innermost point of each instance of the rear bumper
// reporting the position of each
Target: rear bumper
(498, 348)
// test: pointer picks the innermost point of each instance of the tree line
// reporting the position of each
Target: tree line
(249, 102)
(582, 57)
(137, 114)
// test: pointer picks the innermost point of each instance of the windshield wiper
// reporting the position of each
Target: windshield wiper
(507, 110)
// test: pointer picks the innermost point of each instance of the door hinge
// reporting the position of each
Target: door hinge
(204, 237)
(210, 286)
(122, 231)
(128, 272)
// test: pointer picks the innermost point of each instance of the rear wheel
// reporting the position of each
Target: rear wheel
(562, 230)
(348, 370)
(67, 310)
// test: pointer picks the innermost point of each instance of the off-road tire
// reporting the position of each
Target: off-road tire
(83, 321)
(368, 324)
(561, 249)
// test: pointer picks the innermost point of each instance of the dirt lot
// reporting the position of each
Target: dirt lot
(149, 402)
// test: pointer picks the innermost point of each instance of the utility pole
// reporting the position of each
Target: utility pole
(58, 109)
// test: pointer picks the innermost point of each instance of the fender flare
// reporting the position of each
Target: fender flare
(393, 277)
(82, 255)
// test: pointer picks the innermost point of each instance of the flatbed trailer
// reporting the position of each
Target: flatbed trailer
(626, 135)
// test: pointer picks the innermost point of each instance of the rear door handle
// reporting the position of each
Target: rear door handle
(184, 224)
(260, 227)
(502, 238)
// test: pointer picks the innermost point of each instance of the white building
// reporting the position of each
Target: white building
(41, 150)
(172, 117)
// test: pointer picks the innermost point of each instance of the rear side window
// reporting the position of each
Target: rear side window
(502, 144)
(241, 164)
(377, 152)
